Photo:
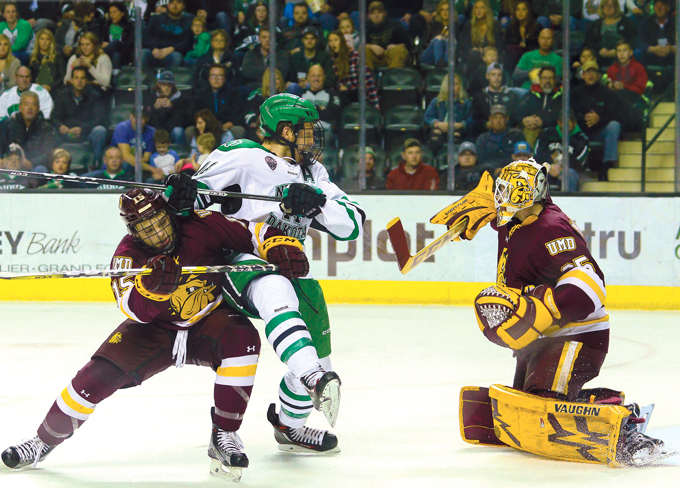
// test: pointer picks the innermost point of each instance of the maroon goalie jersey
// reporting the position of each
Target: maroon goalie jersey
(550, 249)
(204, 239)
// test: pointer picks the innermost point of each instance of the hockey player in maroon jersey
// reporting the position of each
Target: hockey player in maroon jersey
(547, 306)
(173, 318)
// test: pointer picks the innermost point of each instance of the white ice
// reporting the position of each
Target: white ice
(402, 368)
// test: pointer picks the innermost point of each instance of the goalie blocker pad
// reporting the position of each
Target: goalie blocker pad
(568, 431)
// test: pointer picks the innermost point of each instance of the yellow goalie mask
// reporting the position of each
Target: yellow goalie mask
(519, 186)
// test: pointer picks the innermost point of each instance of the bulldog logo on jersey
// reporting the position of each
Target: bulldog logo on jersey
(271, 162)
(191, 297)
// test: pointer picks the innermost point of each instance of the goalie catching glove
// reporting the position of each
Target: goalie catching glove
(163, 280)
(287, 253)
(180, 193)
(303, 200)
(477, 206)
(510, 319)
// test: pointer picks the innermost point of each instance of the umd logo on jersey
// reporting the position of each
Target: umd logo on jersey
(191, 297)
(116, 338)
(271, 162)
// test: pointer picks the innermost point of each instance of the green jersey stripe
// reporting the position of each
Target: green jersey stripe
(279, 319)
(295, 415)
(294, 396)
(295, 347)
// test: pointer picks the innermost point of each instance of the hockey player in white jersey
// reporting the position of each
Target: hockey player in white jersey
(297, 325)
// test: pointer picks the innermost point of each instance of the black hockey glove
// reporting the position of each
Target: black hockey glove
(181, 193)
(163, 280)
(303, 200)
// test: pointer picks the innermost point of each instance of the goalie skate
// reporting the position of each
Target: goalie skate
(302, 439)
(325, 394)
(639, 450)
(28, 452)
(226, 451)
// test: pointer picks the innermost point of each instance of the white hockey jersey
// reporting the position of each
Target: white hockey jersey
(260, 172)
(9, 101)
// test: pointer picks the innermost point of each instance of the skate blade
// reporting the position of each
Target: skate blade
(653, 458)
(303, 450)
(645, 413)
(230, 473)
(330, 401)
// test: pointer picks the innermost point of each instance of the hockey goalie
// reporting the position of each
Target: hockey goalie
(548, 306)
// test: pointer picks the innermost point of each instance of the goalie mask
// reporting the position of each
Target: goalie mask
(148, 221)
(302, 114)
(519, 186)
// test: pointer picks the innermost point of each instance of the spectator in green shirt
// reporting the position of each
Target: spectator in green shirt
(201, 40)
(530, 63)
(19, 32)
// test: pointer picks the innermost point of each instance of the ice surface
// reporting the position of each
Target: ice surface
(402, 368)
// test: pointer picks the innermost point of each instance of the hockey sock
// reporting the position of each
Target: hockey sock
(294, 402)
(235, 376)
(98, 380)
(275, 300)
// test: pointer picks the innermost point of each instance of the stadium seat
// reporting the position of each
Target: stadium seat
(119, 114)
(349, 125)
(433, 83)
(395, 156)
(124, 84)
(402, 122)
(399, 86)
(82, 157)
(349, 163)
(184, 77)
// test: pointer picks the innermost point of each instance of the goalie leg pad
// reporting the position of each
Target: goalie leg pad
(476, 421)
(569, 431)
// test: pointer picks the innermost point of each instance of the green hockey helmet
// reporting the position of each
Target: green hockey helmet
(303, 115)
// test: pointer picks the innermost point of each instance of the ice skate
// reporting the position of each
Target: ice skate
(302, 439)
(226, 451)
(28, 452)
(324, 390)
(639, 416)
(638, 450)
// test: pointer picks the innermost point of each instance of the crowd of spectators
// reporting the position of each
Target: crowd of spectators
(206, 68)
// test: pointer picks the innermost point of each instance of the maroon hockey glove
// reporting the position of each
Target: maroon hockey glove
(546, 295)
(164, 278)
(288, 254)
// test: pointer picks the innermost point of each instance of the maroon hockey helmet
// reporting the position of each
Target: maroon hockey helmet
(148, 222)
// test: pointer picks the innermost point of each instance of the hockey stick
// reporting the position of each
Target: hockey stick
(406, 262)
(132, 184)
(115, 273)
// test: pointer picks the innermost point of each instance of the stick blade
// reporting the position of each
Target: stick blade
(397, 236)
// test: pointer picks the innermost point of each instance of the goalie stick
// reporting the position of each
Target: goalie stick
(116, 273)
(406, 262)
(132, 184)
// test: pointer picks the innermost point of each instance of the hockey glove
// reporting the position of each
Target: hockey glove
(288, 254)
(546, 295)
(303, 200)
(509, 319)
(163, 280)
(180, 193)
(478, 206)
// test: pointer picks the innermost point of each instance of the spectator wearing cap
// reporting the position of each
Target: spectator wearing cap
(219, 53)
(223, 100)
(301, 61)
(539, 107)
(167, 37)
(326, 101)
(467, 170)
(477, 80)
(596, 109)
(113, 170)
(124, 137)
(387, 42)
(14, 161)
(412, 173)
(494, 94)
(628, 79)
(170, 108)
(549, 150)
(530, 63)
(79, 113)
(256, 60)
(29, 129)
(437, 114)
(497, 144)
(9, 101)
(656, 38)
(374, 180)
(293, 31)
(522, 151)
